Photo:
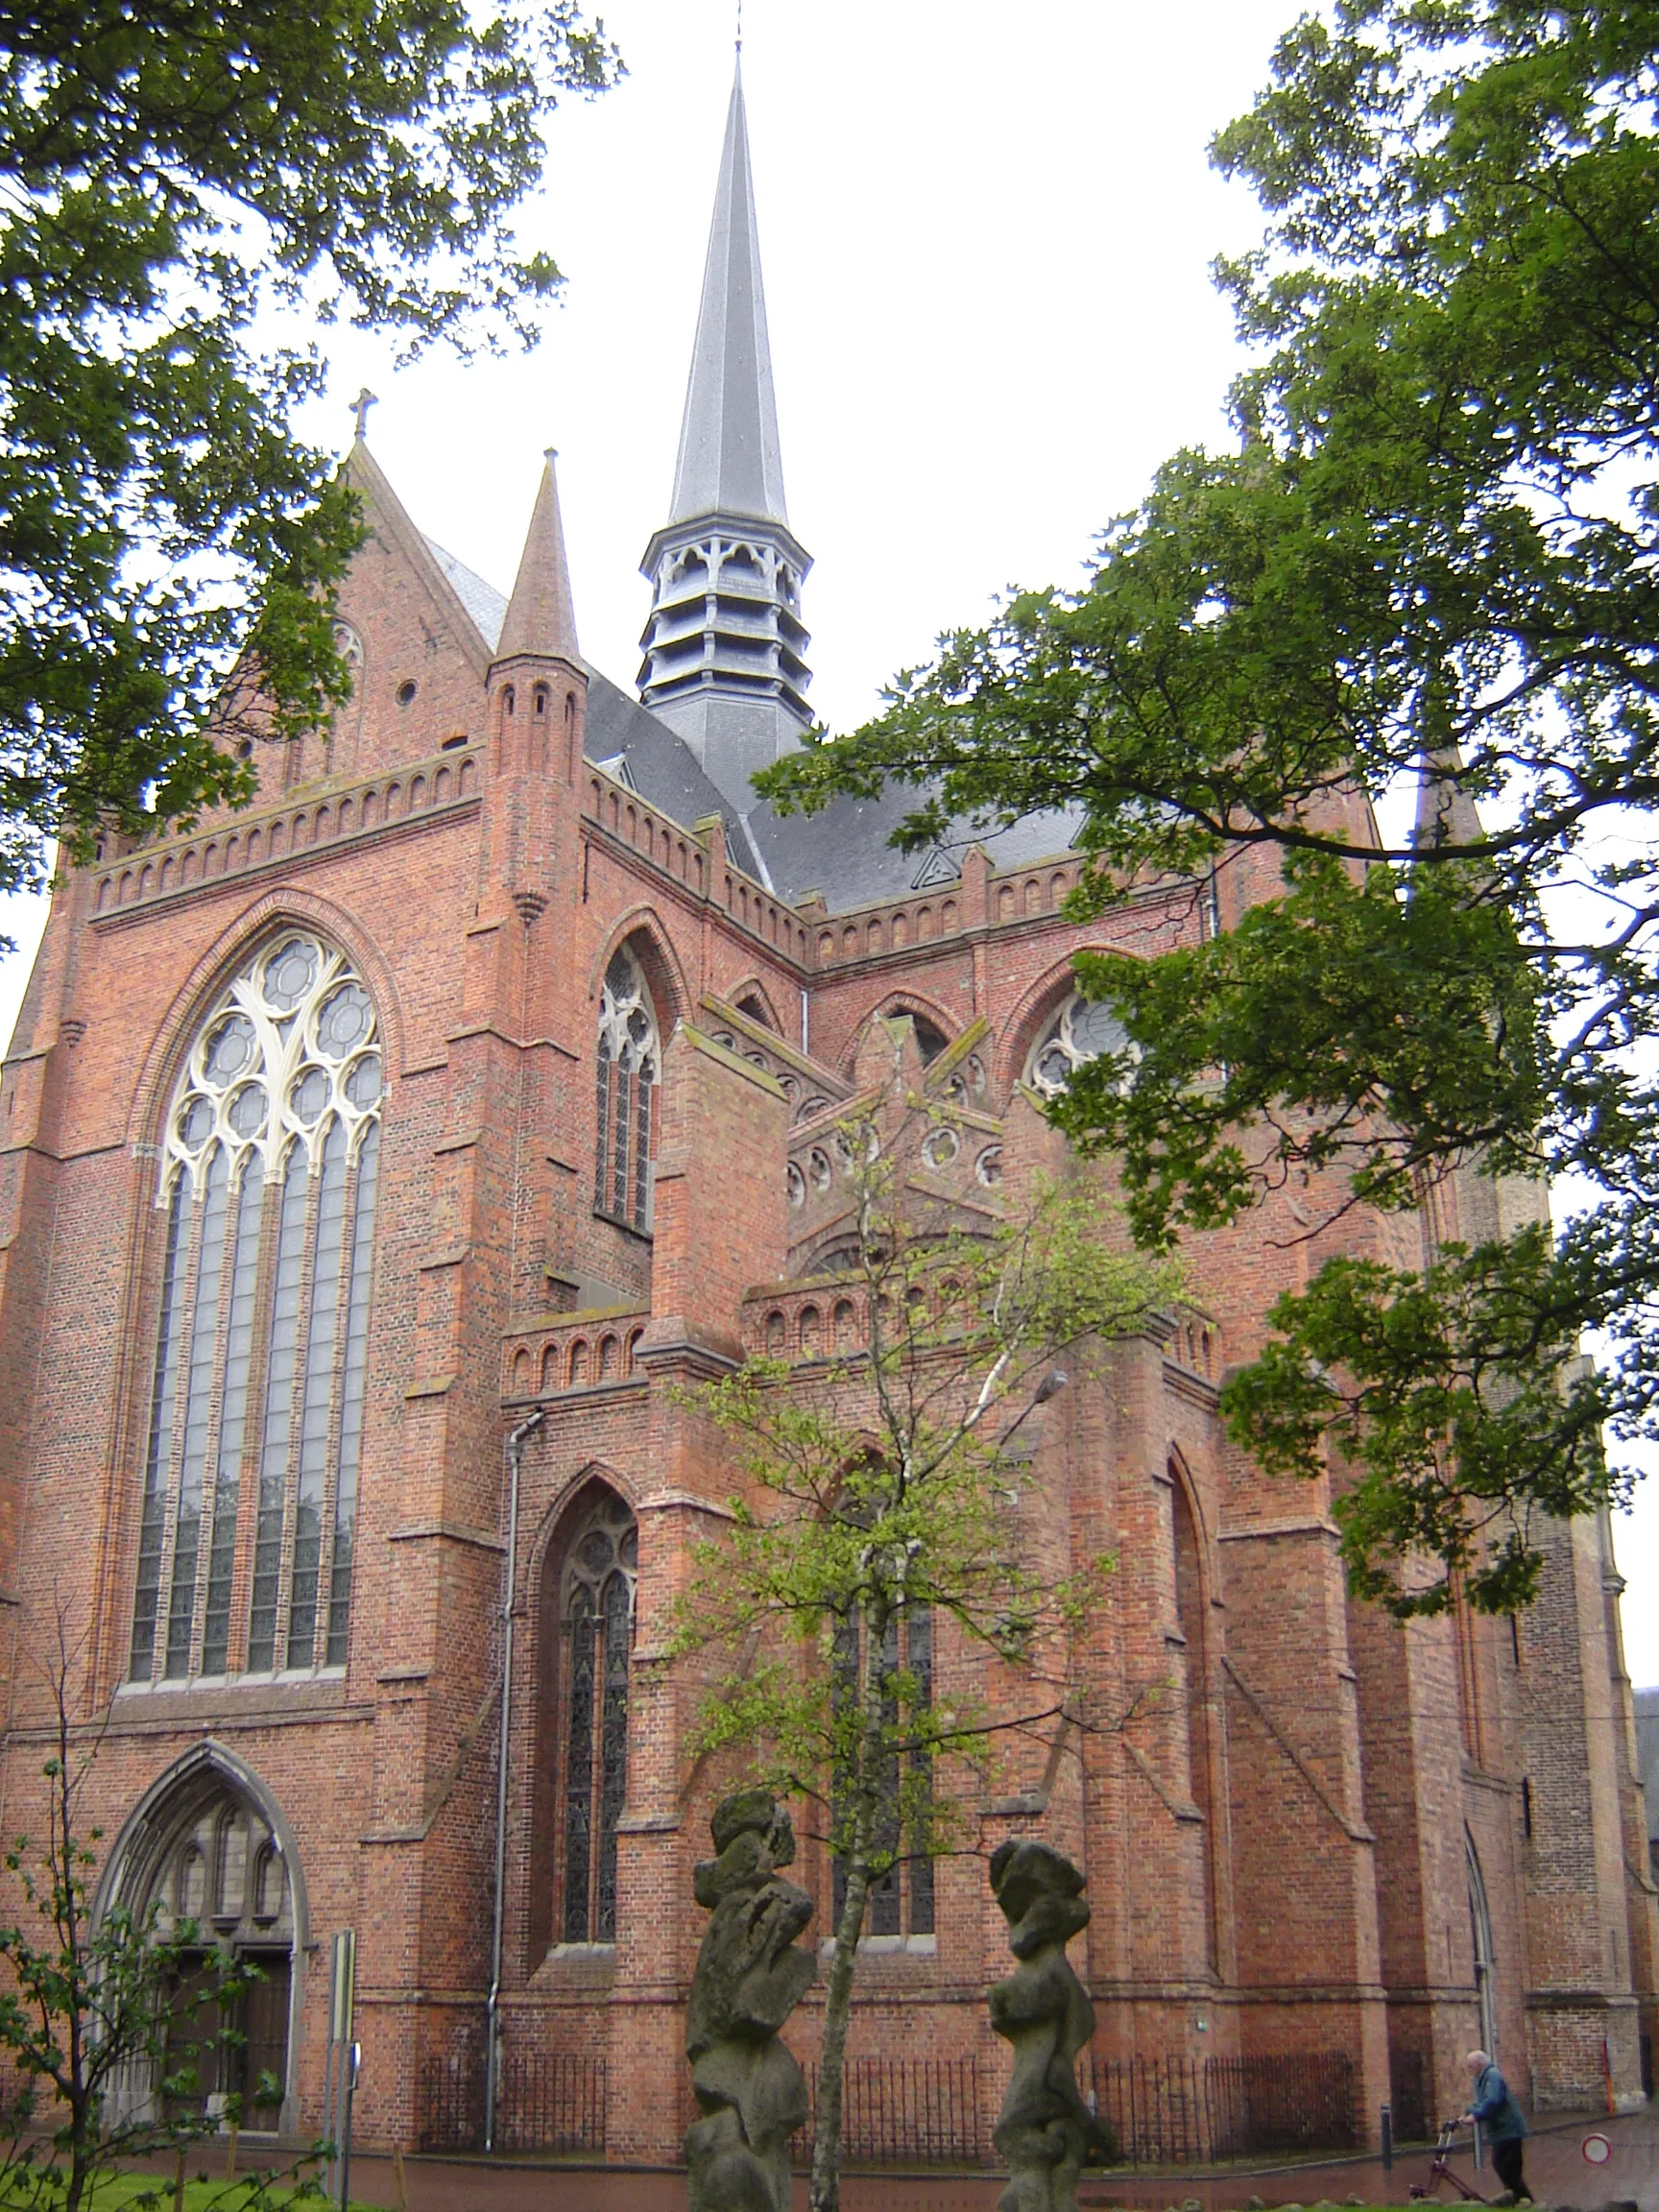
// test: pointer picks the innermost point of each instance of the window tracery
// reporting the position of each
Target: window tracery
(1083, 1029)
(628, 1059)
(601, 1568)
(270, 1163)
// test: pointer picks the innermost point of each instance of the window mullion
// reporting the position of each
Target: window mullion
(336, 1408)
(176, 1441)
(269, 1232)
(297, 1417)
(227, 1263)
(158, 1430)
(279, 1340)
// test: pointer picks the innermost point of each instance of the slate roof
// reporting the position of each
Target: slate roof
(731, 462)
(843, 852)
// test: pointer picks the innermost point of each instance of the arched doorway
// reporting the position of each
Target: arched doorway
(207, 1843)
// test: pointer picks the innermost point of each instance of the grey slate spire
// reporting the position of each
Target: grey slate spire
(729, 461)
(724, 647)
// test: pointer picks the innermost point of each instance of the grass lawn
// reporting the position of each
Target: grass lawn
(215, 2195)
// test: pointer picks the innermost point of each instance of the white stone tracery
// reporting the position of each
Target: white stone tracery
(1080, 1031)
(629, 1063)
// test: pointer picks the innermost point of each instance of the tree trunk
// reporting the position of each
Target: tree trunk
(824, 2193)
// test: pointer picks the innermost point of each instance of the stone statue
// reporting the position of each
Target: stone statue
(750, 1978)
(1047, 2132)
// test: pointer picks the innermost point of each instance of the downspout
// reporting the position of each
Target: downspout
(493, 2004)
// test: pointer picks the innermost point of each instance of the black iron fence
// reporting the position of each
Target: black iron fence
(1410, 2084)
(1181, 2111)
(546, 2100)
(905, 2111)
(1164, 2111)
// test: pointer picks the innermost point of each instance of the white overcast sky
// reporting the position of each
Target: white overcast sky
(987, 234)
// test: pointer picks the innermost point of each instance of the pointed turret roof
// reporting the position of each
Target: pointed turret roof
(540, 614)
(730, 460)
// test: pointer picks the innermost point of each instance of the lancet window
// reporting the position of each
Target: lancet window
(629, 1060)
(1081, 1030)
(270, 1163)
(901, 1899)
(597, 1613)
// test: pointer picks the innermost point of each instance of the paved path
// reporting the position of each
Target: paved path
(1554, 2165)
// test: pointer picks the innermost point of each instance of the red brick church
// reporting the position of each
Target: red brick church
(437, 1115)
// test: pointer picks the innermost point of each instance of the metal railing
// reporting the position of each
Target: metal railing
(1182, 2111)
(905, 2111)
(546, 2100)
(1166, 2111)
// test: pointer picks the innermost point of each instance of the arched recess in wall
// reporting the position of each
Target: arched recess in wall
(751, 997)
(1192, 1615)
(934, 1028)
(208, 1842)
(1480, 1947)
(585, 1639)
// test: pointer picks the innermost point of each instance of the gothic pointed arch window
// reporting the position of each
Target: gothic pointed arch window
(595, 1646)
(900, 1899)
(270, 1163)
(629, 1063)
(1080, 1030)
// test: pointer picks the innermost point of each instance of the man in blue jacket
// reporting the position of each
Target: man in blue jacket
(1499, 2115)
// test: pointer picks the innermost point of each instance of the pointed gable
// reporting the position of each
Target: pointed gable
(419, 660)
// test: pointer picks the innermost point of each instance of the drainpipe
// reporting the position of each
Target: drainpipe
(491, 2008)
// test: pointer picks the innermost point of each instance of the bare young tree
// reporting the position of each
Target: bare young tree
(95, 2003)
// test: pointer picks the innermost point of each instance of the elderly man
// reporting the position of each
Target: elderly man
(1498, 2112)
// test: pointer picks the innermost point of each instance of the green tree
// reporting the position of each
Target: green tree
(166, 175)
(95, 2005)
(878, 1560)
(1433, 554)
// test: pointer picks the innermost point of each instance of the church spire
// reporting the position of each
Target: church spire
(724, 649)
(729, 459)
(540, 614)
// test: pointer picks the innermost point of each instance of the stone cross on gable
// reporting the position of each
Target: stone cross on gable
(364, 400)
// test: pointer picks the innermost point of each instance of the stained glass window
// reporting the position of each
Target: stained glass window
(269, 1170)
(1083, 1029)
(628, 1058)
(600, 1569)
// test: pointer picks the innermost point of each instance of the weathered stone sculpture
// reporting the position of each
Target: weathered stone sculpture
(1047, 2132)
(750, 1978)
